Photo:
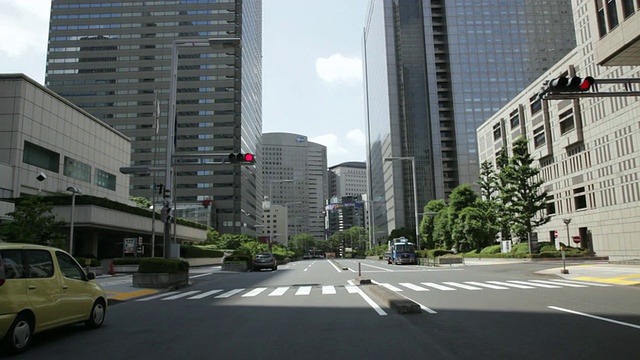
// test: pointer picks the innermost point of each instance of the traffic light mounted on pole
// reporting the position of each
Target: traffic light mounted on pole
(564, 84)
(240, 158)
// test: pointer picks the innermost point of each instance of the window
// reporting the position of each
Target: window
(627, 8)
(69, 267)
(40, 264)
(602, 23)
(105, 180)
(76, 169)
(566, 121)
(538, 136)
(550, 204)
(13, 264)
(612, 14)
(41, 157)
(497, 132)
(579, 198)
(514, 119)
(535, 104)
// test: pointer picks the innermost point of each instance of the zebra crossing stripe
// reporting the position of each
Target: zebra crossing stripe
(178, 296)
(158, 296)
(437, 286)
(279, 291)
(328, 290)
(204, 295)
(229, 294)
(511, 285)
(547, 286)
(391, 287)
(462, 286)
(557, 283)
(304, 290)
(414, 287)
(489, 286)
(254, 292)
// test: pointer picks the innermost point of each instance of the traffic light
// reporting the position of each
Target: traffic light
(564, 84)
(240, 158)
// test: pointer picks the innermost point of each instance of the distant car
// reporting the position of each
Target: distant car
(306, 256)
(265, 260)
(43, 288)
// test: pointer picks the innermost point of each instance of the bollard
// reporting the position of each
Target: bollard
(359, 269)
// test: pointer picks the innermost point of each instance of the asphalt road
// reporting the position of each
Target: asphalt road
(309, 310)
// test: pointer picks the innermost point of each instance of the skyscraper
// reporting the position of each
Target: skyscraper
(112, 58)
(295, 175)
(434, 71)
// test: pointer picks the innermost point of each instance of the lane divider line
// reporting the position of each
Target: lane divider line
(595, 317)
(352, 289)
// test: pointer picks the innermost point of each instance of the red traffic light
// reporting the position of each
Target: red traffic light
(567, 85)
(249, 157)
(240, 158)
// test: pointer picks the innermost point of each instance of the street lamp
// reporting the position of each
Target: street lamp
(415, 191)
(74, 190)
(567, 221)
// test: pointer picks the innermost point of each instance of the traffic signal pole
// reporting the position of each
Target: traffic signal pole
(626, 85)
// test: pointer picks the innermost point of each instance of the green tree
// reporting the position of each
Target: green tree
(461, 197)
(403, 232)
(34, 223)
(527, 200)
(476, 227)
(427, 225)
(442, 229)
(141, 202)
(504, 216)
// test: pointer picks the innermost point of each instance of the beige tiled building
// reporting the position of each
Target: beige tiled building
(588, 149)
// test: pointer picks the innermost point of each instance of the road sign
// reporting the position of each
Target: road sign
(555, 233)
(576, 239)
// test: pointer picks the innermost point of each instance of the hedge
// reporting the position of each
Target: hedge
(158, 265)
(191, 252)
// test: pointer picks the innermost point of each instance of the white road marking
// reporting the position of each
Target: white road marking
(580, 282)
(279, 291)
(304, 290)
(511, 285)
(254, 292)
(229, 294)
(414, 287)
(181, 295)
(204, 295)
(355, 290)
(391, 287)
(334, 265)
(461, 286)
(535, 284)
(158, 296)
(436, 286)
(201, 275)
(486, 285)
(595, 317)
(558, 283)
(328, 290)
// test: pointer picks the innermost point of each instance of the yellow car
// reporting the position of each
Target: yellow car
(42, 288)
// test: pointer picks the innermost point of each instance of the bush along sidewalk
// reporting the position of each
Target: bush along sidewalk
(161, 273)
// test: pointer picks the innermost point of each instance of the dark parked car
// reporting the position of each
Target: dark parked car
(265, 260)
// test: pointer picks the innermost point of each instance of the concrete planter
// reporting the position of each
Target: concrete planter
(235, 267)
(125, 268)
(203, 261)
(449, 260)
(160, 280)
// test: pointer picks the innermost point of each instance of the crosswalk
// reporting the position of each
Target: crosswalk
(399, 287)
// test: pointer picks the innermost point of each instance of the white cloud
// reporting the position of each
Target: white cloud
(340, 69)
(339, 150)
(24, 26)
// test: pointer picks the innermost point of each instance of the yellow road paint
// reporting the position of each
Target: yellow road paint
(129, 295)
(619, 280)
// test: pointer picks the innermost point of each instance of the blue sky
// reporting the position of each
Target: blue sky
(312, 66)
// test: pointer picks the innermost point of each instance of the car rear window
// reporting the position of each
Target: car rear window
(12, 264)
(40, 264)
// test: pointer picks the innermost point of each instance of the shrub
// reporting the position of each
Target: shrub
(434, 253)
(493, 249)
(520, 249)
(191, 251)
(547, 247)
(159, 265)
(237, 259)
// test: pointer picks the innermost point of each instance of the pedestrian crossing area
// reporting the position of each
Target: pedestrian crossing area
(405, 287)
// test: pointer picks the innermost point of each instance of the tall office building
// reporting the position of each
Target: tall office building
(434, 71)
(112, 58)
(348, 179)
(295, 175)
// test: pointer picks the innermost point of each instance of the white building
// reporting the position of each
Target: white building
(588, 149)
(348, 179)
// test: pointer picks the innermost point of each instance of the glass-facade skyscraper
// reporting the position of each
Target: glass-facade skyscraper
(434, 71)
(112, 58)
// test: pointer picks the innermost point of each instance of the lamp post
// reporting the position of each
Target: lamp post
(74, 190)
(271, 203)
(567, 221)
(415, 191)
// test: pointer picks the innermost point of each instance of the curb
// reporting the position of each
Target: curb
(389, 298)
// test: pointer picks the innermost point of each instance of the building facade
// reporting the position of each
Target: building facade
(586, 147)
(112, 58)
(295, 175)
(47, 146)
(348, 179)
(433, 72)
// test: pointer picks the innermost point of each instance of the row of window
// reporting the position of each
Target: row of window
(607, 13)
(50, 160)
(136, 3)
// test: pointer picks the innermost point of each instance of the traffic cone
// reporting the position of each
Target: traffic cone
(112, 271)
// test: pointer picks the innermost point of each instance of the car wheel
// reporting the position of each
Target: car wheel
(96, 318)
(19, 335)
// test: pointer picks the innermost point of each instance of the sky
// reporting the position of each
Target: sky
(312, 66)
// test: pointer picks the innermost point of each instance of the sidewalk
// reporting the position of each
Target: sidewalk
(607, 273)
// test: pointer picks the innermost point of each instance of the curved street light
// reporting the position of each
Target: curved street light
(74, 190)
